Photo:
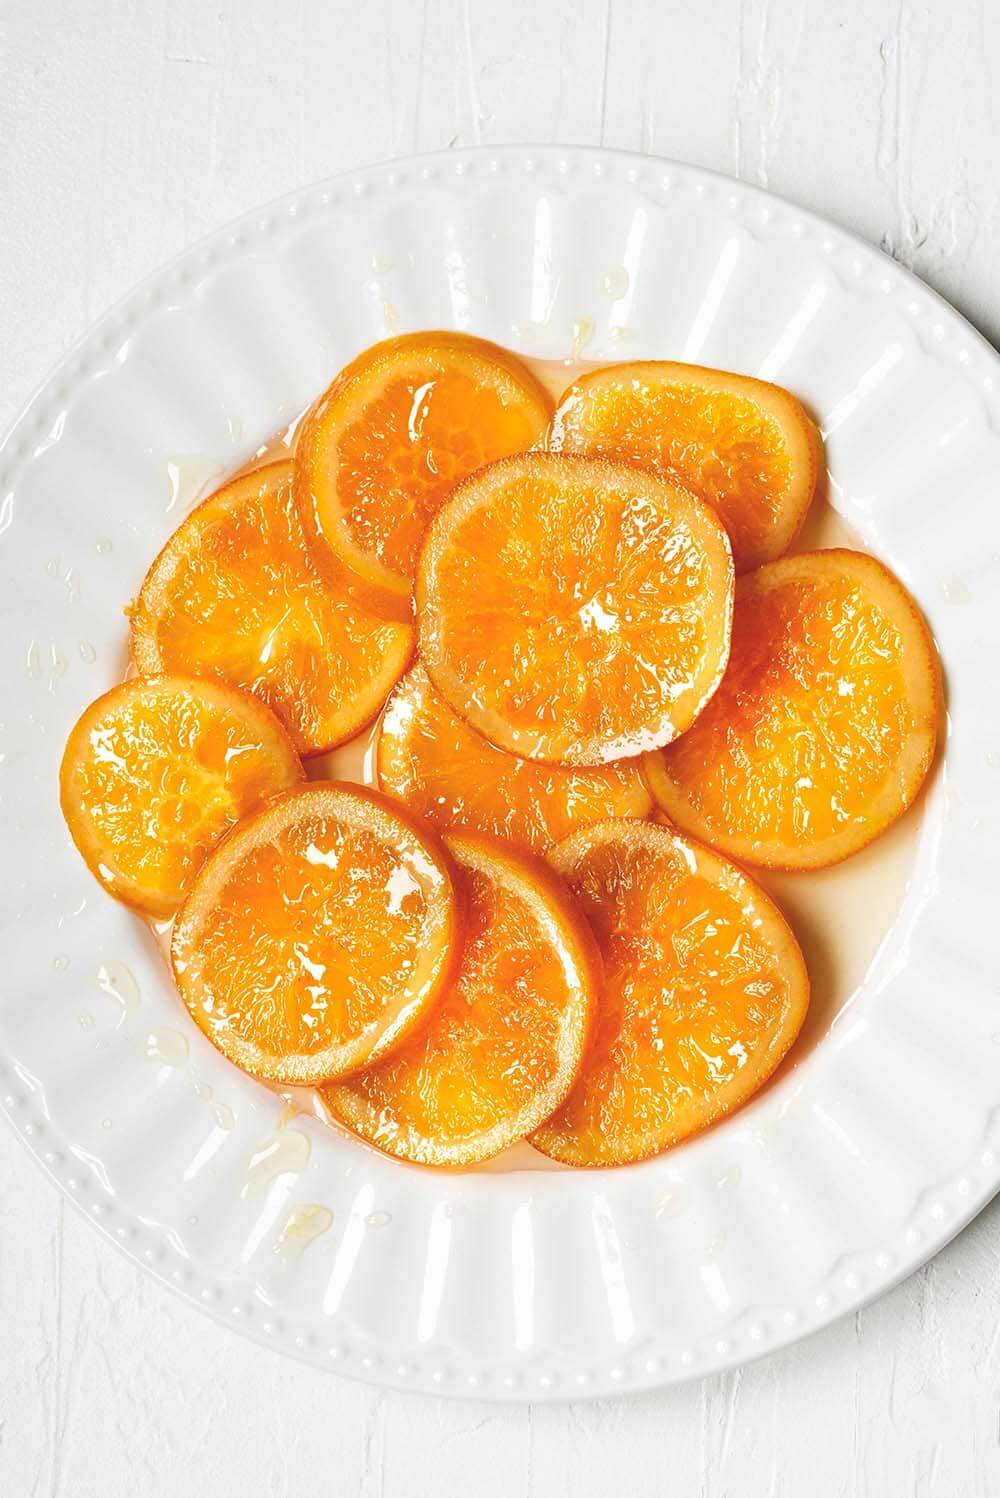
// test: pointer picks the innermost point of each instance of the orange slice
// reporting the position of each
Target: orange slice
(317, 935)
(825, 724)
(442, 769)
(745, 447)
(155, 772)
(235, 595)
(503, 1046)
(573, 610)
(384, 446)
(704, 991)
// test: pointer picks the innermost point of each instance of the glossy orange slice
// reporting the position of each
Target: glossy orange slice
(704, 991)
(399, 427)
(155, 772)
(236, 595)
(504, 1044)
(572, 610)
(825, 724)
(742, 445)
(442, 769)
(317, 935)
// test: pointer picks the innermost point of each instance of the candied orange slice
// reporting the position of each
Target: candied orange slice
(825, 724)
(745, 447)
(317, 935)
(704, 991)
(442, 769)
(385, 445)
(236, 595)
(155, 772)
(503, 1046)
(573, 610)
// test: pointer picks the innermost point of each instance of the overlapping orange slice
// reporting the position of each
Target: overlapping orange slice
(384, 446)
(744, 446)
(574, 610)
(500, 1051)
(704, 991)
(236, 595)
(317, 935)
(156, 771)
(442, 769)
(825, 724)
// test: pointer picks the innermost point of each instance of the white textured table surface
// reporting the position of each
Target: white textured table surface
(126, 131)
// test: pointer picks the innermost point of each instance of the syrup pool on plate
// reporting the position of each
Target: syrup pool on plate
(840, 915)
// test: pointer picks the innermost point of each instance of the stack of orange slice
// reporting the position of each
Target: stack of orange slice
(593, 684)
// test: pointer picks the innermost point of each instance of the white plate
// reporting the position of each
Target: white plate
(863, 1158)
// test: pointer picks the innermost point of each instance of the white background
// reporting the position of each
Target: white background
(127, 130)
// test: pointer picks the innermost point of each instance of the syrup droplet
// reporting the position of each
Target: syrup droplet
(234, 427)
(166, 1047)
(285, 1153)
(528, 331)
(58, 665)
(614, 282)
(378, 1219)
(390, 317)
(87, 652)
(223, 1116)
(583, 332)
(673, 1203)
(623, 333)
(302, 1226)
(118, 981)
(32, 664)
(190, 476)
(60, 962)
(954, 590)
(85, 1020)
(102, 547)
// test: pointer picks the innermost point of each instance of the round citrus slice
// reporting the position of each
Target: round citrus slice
(572, 610)
(384, 446)
(503, 1046)
(236, 595)
(824, 727)
(744, 446)
(704, 991)
(156, 771)
(317, 935)
(442, 769)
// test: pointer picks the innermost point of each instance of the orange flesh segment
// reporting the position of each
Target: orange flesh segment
(156, 771)
(236, 595)
(503, 1046)
(704, 991)
(574, 611)
(444, 771)
(744, 446)
(383, 448)
(825, 724)
(317, 936)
